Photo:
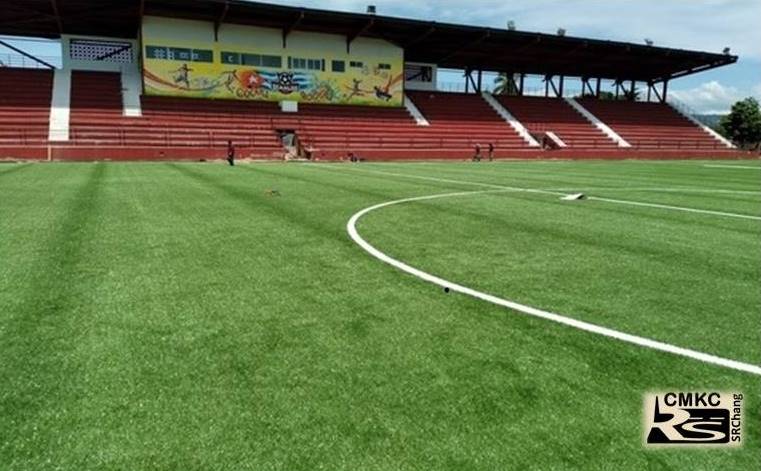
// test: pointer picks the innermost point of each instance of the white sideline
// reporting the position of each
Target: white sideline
(351, 227)
(660, 190)
(676, 208)
(593, 198)
(746, 167)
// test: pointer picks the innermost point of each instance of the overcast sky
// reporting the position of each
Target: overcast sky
(709, 25)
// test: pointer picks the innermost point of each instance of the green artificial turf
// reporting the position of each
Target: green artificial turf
(183, 317)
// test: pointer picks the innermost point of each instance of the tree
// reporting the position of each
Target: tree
(610, 96)
(607, 95)
(743, 124)
(505, 84)
(632, 95)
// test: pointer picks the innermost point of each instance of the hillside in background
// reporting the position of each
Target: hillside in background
(710, 120)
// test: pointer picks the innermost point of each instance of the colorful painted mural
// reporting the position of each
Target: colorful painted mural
(314, 74)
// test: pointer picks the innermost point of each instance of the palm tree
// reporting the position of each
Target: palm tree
(634, 95)
(505, 84)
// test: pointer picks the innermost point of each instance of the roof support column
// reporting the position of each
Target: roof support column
(480, 80)
(549, 82)
(469, 80)
(56, 13)
(287, 30)
(218, 22)
(664, 95)
(560, 90)
(632, 88)
(651, 88)
(141, 14)
(365, 28)
(599, 87)
(520, 86)
(586, 87)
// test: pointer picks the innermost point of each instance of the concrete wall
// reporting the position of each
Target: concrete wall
(166, 74)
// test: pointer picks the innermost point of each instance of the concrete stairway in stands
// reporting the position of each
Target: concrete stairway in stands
(541, 115)
(651, 126)
(460, 121)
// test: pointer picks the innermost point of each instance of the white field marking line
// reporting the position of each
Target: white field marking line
(661, 190)
(746, 167)
(351, 228)
(458, 182)
(595, 198)
(637, 189)
(677, 208)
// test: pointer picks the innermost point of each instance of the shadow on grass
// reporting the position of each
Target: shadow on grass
(38, 336)
(13, 169)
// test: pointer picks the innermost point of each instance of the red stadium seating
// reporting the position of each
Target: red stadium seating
(97, 119)
(335, 130)
(651, 126)
(25, 96)
(176, 128)
(540, 115)
(464, 120)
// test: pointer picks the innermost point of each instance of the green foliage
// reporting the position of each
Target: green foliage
(506, 84)
(610, 96)
(632, 95)
(743, 124)
(607, 96)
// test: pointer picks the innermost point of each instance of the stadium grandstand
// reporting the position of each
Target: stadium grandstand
(180, 79)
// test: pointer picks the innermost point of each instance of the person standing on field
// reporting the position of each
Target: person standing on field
(477, 155)
(230, 153)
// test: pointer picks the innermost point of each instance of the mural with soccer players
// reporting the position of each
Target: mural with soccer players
(182, 59)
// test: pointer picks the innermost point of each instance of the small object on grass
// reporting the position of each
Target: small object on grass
(574, 197)
(272, 193)
(446, 290)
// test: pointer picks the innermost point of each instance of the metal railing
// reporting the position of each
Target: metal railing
(168, 137)
(22, 62)
(490, 87)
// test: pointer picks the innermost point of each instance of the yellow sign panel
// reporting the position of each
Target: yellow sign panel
(179, 65)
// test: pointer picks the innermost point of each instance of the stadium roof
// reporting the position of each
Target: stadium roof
(448, 45)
